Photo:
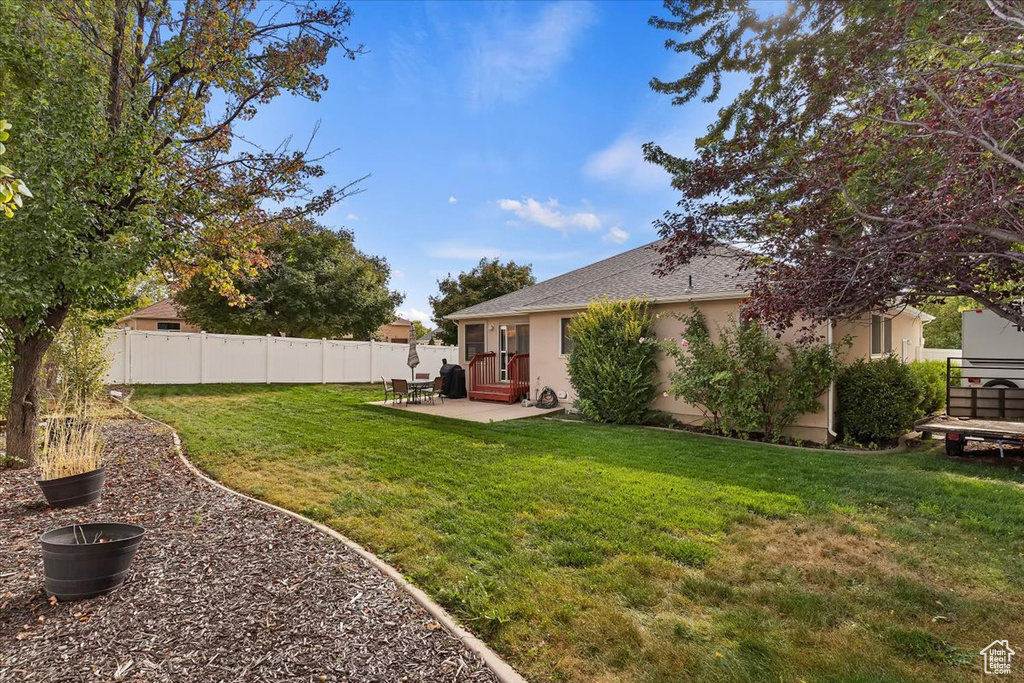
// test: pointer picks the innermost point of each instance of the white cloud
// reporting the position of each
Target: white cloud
(452, 199)
(397, 274)
(351, 217)
(509, 60)
(415, 314)
(549, 215)
(615, 235)
(623, 162)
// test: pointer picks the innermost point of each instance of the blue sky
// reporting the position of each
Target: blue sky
(504, 129)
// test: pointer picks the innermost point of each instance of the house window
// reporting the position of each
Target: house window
(474, 340)
(881, 335)
(566, 341)
(169, 327)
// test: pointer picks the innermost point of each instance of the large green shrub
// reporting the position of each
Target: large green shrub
(613, 364)
(878, 400)
(930, 376)
(748, 381)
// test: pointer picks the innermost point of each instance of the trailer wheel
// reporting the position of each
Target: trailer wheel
(996, 383)
(954, 444)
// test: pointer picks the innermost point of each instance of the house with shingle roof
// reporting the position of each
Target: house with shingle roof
(162, 316)
(517, 344)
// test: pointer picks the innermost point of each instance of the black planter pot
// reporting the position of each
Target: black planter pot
(78, 489)
(77, 570)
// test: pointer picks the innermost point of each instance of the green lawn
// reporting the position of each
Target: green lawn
(594, 553)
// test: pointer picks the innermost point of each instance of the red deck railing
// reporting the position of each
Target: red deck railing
(484, 382)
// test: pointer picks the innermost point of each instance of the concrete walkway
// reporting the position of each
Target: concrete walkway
(472, 411)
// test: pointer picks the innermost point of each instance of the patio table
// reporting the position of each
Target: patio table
(417, 387)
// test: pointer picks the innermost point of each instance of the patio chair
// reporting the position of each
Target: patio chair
(387, 388)
(435, 391)
(422, 375)
(400, 389)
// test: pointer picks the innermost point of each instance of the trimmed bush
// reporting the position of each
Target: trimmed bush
(878, 400)
(930, 376)
(613, 364)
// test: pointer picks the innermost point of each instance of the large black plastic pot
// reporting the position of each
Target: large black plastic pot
(78, 489)
(86, 560)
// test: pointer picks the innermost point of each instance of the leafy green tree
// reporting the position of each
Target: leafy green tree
(946, 331)
(873, 153)
(126, 114)
(12, 190)
(317, 284)
(488, 280)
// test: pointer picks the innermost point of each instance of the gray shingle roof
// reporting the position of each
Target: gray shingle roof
(627, 275)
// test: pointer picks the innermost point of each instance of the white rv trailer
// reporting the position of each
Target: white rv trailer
(985, 388)
(993, 351)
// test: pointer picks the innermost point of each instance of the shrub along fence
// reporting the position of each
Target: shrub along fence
(142, 357)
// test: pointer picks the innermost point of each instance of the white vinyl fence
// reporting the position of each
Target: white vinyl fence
(142, 357)
(940, 354)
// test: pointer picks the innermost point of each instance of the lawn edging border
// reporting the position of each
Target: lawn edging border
(901, 447)
(501, 669)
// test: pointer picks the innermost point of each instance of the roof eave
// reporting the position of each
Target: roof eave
(526, 310)
(707, 296)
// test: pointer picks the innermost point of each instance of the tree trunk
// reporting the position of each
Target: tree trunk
(23, 411)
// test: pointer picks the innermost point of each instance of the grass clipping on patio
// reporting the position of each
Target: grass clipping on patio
(71, 445)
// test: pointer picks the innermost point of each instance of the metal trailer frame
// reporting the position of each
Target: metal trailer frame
(991, 411)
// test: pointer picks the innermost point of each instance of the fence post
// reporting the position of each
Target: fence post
(202, 357)
(266, 359)
(127, 356)
(373, 360)
(323, 360)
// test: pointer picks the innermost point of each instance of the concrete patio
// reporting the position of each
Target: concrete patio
(471, 411)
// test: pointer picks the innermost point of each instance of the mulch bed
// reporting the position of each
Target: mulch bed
(222, 589)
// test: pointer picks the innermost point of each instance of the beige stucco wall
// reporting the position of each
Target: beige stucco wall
(149, 324)
(904, 326)
(548, 366)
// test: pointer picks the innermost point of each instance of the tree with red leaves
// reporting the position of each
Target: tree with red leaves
(876, 156)
(127, 114)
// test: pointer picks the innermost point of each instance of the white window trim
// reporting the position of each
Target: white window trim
(561, 354)
(465, 342)
(871, 335)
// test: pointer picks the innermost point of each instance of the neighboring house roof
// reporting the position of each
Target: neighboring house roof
(429, 336)
(631, 274)
(164, 309)
(398, 321)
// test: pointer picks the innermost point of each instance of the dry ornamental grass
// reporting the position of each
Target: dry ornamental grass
(71, 445)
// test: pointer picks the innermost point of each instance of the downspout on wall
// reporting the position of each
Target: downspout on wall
(830, 400)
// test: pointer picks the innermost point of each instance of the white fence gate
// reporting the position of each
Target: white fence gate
(940, 354)
(143, 357)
